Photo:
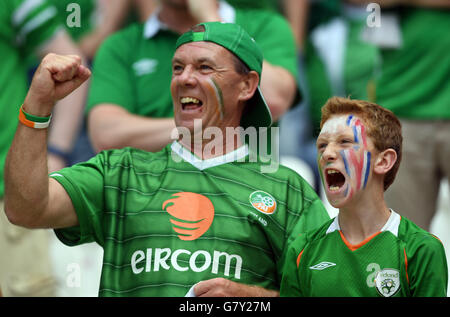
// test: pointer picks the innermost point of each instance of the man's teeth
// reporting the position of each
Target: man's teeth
(332, 172)
(334, 188)
(189, 100)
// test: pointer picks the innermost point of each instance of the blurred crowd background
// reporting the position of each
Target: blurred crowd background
(395, 53)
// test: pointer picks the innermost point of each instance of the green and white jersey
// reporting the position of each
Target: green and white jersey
(400, 260)
(168, 220)
(25, 26)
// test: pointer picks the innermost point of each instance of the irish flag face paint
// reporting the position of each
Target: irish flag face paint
(344, 158)
(217, 92)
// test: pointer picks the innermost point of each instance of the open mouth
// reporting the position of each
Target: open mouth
(335, 180)
(190, 103)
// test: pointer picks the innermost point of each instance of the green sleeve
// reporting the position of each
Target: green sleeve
(84, 183)
(290, 282)
(112, 80)
(34, 23)
(427, 267)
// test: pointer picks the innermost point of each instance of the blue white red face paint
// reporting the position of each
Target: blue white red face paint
(355, 158)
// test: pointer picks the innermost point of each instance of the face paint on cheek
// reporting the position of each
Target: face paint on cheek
(219, 97)
(357, 166)
(349, 169)
(319, 157)
(362, 164)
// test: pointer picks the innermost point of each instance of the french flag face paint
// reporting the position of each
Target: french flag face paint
(344, 158)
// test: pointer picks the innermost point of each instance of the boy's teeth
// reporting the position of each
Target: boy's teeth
(334, 188)
(189, 100)
(332, 172)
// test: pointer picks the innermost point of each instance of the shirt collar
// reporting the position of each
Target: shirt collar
(153, 24)
(200, 164)
(391, 225)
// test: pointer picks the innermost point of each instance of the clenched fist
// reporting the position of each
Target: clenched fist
(56, 77)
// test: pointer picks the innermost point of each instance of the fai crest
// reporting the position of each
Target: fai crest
(263, 202)
(387, 282)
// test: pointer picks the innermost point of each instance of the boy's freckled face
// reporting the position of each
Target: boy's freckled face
(344, 158)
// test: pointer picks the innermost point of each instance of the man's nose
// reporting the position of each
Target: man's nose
(187, 77)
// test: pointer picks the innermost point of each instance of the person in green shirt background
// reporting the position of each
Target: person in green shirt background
(27, 28)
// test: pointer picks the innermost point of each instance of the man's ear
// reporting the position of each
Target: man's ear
(384, 161)
(249, 85)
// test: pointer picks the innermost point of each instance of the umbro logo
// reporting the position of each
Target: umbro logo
(322, 266)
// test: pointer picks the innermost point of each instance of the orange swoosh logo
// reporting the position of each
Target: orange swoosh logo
(194, 214)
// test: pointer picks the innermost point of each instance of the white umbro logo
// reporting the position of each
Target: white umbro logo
(322, 266)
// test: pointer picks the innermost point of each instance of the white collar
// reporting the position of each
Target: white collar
(191, 158)
(391, 225)
(226, 12)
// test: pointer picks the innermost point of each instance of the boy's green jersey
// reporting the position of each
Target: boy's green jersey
(168, 220)
(400, 260)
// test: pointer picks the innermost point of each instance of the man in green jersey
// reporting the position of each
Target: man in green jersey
(201, 211)
(129, 101)
(368, 249)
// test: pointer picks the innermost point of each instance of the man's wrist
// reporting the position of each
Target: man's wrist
(33, 121)
(39, 111)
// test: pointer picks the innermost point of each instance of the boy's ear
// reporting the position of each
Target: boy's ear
(384, 161)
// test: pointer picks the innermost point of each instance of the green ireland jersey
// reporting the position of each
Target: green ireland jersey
(168, 220)
(25, 26)
(401, 260)
(133, 67)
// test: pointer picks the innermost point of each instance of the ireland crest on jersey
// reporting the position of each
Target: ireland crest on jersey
(387, 282)
(263, 202)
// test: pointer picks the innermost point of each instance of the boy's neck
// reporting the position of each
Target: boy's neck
(364, 217)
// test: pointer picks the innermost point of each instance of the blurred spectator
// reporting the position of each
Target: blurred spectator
(30, 27)
(100, 18)
(299, 126)
(97, 20)
(414, 84)
(260, 4)
(403, 65)
(130, 99)
(144, 8)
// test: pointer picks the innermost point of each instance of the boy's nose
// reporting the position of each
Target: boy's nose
(330, 154)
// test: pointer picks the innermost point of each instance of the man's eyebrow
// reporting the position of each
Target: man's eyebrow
(176, 60)
(205, 59)
(200, 60)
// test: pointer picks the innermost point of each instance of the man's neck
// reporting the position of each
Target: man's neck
(208, 149)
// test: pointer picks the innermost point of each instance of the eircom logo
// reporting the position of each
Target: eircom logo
(194, 214)
(160, 259)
